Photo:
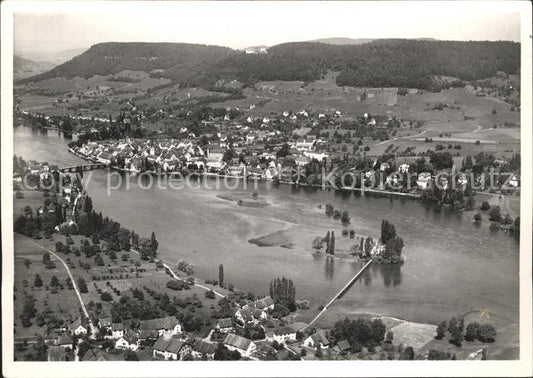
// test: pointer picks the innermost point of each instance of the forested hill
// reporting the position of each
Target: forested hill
(382, 63)
(178, 61)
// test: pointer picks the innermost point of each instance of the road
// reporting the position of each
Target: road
(94, 330)
(175, 276)
(397, 138)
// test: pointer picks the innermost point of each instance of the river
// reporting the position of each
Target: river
(452, 266)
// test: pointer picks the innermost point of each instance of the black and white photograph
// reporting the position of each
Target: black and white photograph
(266, 188)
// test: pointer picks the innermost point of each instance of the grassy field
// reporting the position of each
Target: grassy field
(63, 304)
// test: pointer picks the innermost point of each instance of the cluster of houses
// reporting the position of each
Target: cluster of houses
(170, 155)
(167, 339)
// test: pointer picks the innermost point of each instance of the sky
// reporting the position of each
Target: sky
(52, 27)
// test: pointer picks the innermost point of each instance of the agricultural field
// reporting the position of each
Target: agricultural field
(62, 302)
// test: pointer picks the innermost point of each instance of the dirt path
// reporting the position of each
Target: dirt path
(85, 312)
(175, 276)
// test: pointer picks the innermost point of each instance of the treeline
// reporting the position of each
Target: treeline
(90, 223)
(486, 333)
(359, 333)
(382, 63)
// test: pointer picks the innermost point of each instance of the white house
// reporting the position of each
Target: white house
(514, 181)
(316, 155)
(242, 345)
(317, 339)
(164, 326)
(78, 328)
(423, 180)
(403, 168)
(128, 341)
(117, 330)
(282, 335)
(244, 315)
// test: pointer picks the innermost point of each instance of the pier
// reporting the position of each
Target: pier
(340, 293)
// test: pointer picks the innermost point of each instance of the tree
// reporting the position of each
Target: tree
(106, 297)
(470, 202)
(441, 331)
(154, 243)
(345, 217)
(408, 354)
(495, 215)
(124, 236)
(283, 151)
(83, 347)
(46, 258)
(221, 275)
(54, 281)
(486, 333)
(38, 282)
(472, 331)
(98, 260)
(330, 247)
(59, 246)
(329, 210)
(319, 353)
(131, 356)
(452, 325)
(378, 330)
(478, 217)
(485, 206)
(283, 291)
(457, 335)
(388, 231)
(224, 354)
(41, 350)
(82, 285)
(389, 337)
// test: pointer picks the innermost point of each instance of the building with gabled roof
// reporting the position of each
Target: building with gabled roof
(168, 325)
(170, 348)
(241, 344)
(317, 339)
(201, 348)
(225, 325)
(128, 341)
(78, 328)
(282, 335)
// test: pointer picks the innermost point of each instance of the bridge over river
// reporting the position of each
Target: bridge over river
(82, 167)
(340, 293)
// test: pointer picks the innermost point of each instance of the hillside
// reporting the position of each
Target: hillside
(23, 67)
(179, 61)
(380, 63)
